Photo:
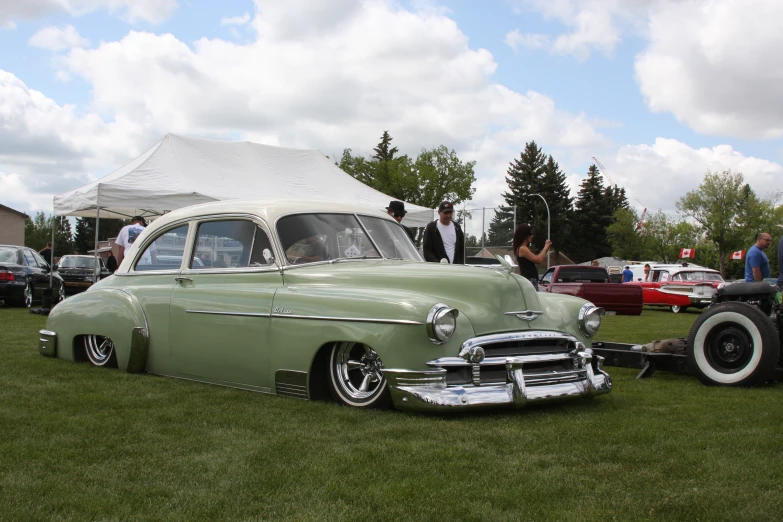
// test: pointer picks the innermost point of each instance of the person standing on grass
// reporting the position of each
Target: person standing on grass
(444, 241)
(526, 259)
(627, 274)
(756, 261)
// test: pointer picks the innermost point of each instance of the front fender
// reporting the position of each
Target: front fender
(108, 312)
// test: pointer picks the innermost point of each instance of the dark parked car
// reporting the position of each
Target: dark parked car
(78, 272)
(24, 276)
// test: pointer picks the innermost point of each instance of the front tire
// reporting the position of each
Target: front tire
(733, 344)
(356, 376)
(100, 351)
(678, 309)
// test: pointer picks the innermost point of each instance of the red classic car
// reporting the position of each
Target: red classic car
(679, 287)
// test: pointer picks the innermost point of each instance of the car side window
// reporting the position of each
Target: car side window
(165, 252)
(236, 243)
(664, 276)
(40, 260)
(29, 260)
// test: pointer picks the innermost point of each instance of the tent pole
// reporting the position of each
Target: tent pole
(96, 270)
(51, 254)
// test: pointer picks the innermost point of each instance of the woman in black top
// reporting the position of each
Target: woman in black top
(526, 259)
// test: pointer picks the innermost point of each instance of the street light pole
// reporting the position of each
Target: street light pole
(548, 225)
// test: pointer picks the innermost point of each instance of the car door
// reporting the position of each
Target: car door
(221, 306)
(36, 274)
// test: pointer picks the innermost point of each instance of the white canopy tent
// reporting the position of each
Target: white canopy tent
(177, 172)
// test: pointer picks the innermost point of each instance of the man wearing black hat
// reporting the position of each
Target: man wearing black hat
(396, 209)
(127, 237)
(443, 239)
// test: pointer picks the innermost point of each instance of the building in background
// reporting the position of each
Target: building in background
(11, 226)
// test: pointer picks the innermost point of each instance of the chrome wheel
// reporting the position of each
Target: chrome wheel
(61, 293)
(28, 295)
(356, 374)
(100, 350)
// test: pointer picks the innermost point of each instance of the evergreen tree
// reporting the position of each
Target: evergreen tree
(501, 229)
(38, 232)
(524, 177)
(591, 219)
(558, 196)
(84, 237)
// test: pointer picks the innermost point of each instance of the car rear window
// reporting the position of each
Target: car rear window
(581, 275)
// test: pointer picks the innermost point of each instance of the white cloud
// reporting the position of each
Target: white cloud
(153, 11)
(717, 66)
(57, 39)
(658, 175)
(235, 20)
(592, 25)
(334, 79)
(516, 39)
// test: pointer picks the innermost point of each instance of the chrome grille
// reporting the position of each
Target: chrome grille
(548, 357)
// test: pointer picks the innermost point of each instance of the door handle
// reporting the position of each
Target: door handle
(179, 279)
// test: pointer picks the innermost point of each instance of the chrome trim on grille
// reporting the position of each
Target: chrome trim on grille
(526, 315)
(243, 314)
(514, 336)
(494, 361)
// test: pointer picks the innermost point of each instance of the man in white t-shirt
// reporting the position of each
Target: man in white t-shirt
(443, 238)
(127, 237)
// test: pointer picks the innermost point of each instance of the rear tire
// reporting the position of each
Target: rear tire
(356, 376)
(733, 344)
(100, 351)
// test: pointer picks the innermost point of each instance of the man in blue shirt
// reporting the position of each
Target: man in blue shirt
(627, 274)
(756, 261)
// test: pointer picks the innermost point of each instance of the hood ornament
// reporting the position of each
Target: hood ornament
(526, 315)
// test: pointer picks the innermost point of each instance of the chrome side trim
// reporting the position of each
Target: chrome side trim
(310, 317)
(243, 314)
(347, 319)
(526, 315)
(291, 383)
(514, 336)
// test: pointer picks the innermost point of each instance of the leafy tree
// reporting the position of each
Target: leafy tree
(727, 210)
(434, 176)
(625, 240)
(38, 232)
(665, 236)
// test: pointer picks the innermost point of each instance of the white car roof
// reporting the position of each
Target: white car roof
(268, 210)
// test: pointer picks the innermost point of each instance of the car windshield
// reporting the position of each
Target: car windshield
(76, 262)
(310, 238)
(9, 255)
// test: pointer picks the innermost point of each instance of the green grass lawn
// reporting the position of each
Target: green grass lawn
(80, 443)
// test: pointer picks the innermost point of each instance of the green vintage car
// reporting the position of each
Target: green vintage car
(321, 300)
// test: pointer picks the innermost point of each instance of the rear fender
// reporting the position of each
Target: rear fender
(108, 312)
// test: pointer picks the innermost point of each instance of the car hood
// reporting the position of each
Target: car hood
(482, 295)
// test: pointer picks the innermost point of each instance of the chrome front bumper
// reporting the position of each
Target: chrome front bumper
(426, 390)
(47, 343)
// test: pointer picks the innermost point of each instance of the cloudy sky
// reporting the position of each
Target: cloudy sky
(660, 91)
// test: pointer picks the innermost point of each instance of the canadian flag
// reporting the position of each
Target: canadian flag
(686, 253)
(739, 254)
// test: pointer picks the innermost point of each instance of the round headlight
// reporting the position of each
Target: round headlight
(590, 319)
(441, 323)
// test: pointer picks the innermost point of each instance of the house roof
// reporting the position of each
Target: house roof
(13, 210)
